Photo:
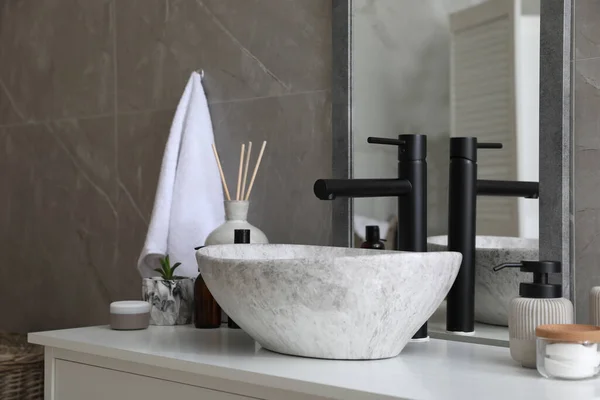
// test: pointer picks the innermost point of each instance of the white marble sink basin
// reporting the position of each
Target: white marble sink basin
(327, 302)
(495, 290)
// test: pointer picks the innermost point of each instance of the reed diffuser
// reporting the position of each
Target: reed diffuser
(236, 211)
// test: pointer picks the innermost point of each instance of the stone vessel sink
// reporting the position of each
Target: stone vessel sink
(327, 302)
(495, 290)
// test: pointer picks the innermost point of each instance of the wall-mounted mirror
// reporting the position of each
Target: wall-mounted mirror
(447, 68)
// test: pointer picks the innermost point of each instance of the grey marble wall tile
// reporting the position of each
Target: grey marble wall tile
(89, 144)
(140, 146)
(297, 129)
(587, 181)
(10, 112)
(291, 38)
(131, 234)
(57, 59)
(161, 42)
(58, 225)
(78, 193)
(587, 31)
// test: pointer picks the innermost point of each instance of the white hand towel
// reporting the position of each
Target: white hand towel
(189, 197)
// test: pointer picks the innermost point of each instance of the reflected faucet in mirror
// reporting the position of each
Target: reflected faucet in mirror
(463, 189)
(410, 187)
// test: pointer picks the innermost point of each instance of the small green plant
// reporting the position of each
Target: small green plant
(167, 271)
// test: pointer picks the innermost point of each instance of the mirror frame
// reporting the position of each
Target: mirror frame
(555, 130)
(556, 140)
(341, 116)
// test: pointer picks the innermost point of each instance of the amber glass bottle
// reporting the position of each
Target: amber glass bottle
(208, 311)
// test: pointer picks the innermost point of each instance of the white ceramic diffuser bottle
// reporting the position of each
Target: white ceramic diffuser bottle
(540, 303)
(236, 214)
(236, 211)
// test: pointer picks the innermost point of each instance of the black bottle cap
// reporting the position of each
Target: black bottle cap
(539, 288)
(241, 236)
(372, 234)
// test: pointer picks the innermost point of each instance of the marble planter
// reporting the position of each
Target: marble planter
(327, 302)
(495, 290)
(172, 300)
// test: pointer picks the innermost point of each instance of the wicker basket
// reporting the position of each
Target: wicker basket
(21, 368)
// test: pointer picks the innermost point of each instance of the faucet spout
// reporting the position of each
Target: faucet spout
(529, 190)
(329, 189)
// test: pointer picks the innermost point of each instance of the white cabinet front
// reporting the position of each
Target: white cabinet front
(75, 381)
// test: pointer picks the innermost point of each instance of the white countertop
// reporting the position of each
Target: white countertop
(436, 369)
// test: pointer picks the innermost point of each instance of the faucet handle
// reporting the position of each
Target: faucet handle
(489, 145)
(393, 142)
(466, 147)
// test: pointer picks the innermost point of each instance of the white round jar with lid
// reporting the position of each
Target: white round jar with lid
(129, 315)
(568, 351)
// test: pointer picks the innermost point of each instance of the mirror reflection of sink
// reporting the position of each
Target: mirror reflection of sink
(327, 302)
(495, 290)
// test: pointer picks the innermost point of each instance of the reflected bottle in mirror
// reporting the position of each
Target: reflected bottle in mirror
(373, 240)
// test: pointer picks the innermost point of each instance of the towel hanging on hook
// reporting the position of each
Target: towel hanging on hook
(201, 72)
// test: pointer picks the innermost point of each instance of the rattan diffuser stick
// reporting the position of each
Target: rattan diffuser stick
(221, 172)
(262, 150)
(246, 170)
(239, 182)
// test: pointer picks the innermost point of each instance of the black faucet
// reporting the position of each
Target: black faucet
(410, 188)
(464, 187)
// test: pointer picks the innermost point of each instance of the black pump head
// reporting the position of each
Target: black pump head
(539, 288)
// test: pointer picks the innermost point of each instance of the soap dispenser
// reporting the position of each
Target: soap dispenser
(540, 303)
